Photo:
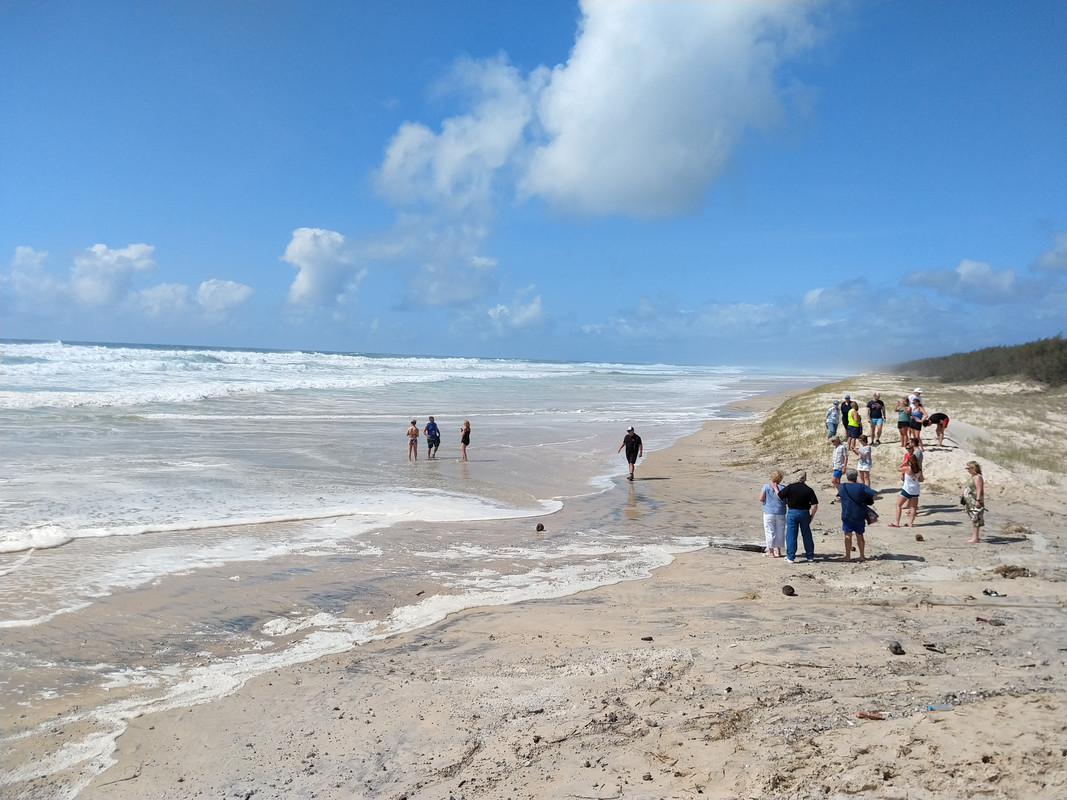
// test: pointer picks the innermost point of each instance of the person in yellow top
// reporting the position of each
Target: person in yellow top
(853, 423)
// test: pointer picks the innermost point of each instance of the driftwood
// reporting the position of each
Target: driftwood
(748, 548)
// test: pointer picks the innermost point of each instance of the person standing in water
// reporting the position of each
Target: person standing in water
(433, 438)
(464, 439)
(413, 441)
(635, 449)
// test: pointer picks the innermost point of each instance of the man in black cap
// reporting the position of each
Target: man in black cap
(634, 449)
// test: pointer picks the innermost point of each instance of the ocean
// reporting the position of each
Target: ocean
(179, 520)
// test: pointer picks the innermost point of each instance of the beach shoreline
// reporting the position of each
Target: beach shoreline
(704, 679)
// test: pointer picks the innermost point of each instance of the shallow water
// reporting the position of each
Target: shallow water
(177, 521)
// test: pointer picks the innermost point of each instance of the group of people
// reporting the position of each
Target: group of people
(788, 510)
(433, 439)
(911, 419)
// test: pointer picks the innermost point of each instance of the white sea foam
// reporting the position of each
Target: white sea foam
(124, 466)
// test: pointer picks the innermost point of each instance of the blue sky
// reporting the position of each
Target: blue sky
(822, 185)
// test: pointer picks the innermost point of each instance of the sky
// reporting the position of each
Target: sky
(823, 185)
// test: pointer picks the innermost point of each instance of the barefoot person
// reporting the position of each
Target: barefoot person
(433, 438)
(464, 439)
(413, 441)
(773, 514)
(634, 449)
(974, 499)
(855, 497)
(941, 421)
(909, 494)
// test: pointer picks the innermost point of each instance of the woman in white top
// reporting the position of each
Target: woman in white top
(863, 450)
(909, 494)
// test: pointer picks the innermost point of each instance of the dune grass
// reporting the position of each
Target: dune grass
(1027, 423)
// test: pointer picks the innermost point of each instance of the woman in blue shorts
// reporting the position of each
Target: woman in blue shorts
(909, 494)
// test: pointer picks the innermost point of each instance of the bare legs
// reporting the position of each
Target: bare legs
(859, 542)
(912, 504)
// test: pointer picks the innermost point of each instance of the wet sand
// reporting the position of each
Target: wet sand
(704, 680)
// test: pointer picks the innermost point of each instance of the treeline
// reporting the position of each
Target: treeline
(1044, 360)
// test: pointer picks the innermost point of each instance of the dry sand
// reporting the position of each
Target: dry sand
(705, 680)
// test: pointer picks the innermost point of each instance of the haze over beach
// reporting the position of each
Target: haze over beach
(850, 184)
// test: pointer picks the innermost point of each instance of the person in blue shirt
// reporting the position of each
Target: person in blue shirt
(433, 438)
(774, 512)
(855, 500)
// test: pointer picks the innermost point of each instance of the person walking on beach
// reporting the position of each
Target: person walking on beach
(909, 493)
(838, 461)
(635, 449)
(876, 415)
(413, 441)
(464, 439)
(773, 514)
(855, 497)
(833, 419)
(863, 452)
(801, 504)
(433, 438)
(974, 498)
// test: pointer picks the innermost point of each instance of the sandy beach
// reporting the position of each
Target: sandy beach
(703, 680)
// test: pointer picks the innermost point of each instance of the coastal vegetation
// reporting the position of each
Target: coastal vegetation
(1027, 430)
(1042, 360)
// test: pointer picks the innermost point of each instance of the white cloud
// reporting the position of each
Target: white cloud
(1055, 258)
(976, 281)
(30, 285)
(102, 275)
(520, 314)
(656, 97)
(164, 300)
(641, 119)
(217, 296)
(101, 283)
(454, 169)
(325, 267)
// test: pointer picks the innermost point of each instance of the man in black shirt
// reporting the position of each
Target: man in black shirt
(801, 505)
(634, 449)
(876, 414)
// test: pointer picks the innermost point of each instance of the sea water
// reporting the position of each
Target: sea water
(178, 520)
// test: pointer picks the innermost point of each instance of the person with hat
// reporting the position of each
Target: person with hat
(833, 419)
(634, 449)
